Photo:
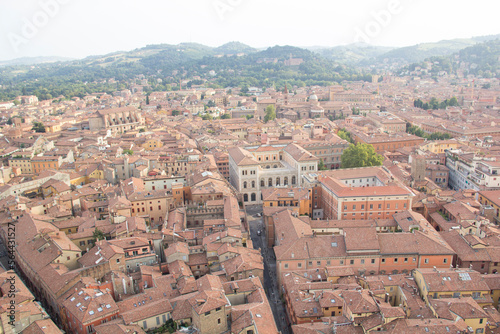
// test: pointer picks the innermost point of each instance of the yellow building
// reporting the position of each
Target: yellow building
(86, 175)
(52, 127)
(491, 198)
(440, 145)
(296, 199)
(21, 161)
(465, 308)
(452, 283)
(152, 144)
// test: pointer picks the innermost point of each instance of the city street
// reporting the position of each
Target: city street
(270, 283)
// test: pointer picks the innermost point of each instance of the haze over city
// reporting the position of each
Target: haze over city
(243, 167)
(76, 29)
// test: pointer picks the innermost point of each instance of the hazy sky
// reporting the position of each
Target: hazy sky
(79, 28)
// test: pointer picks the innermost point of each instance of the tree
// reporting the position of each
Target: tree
(270, 113)
(98, 235)
(175, 112)
(321, 165)
(225, 116)
(38, 127)
(147, 99)
(453, 102)
(361, 155)
(346, 135)
(129, 152)
(248, 116)
(142, 130)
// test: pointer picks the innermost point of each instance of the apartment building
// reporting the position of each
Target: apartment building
(360, 193)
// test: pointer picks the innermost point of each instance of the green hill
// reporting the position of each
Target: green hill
(171, 63)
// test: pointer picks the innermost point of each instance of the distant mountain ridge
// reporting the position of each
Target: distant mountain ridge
(230, 65)
(479, 59)
(365, 54)
(33, 60)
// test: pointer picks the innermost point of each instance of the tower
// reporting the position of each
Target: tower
(418, 167)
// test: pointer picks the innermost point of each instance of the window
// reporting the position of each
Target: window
(354, 207)
(388, 206)
(286, 265)
(445, 260)
(117, 260)
(207, 313)
(362, 261)
(362, 206)
(217, 309)
(245, 184)
(218, 321)
(351, 261)
(145, 325)
(158, 320)
(318, 263)
(383, 260)
(406, 259)
(395, 260)
(373, 261)
(426, 261)
(380, 206)
(299, 265)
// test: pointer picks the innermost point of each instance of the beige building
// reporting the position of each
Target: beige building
(252, 169)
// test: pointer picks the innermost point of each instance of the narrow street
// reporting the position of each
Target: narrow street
(270, 282)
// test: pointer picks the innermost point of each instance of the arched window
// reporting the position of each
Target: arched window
(245, 184)
(245, 198)
(270, 182)
(262, 183)
(253, 184)
(277, 181)
(285, 180)
(293, 179)
(275, 166)
(253, 197)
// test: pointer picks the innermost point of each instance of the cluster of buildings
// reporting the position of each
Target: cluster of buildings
(131, 211)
